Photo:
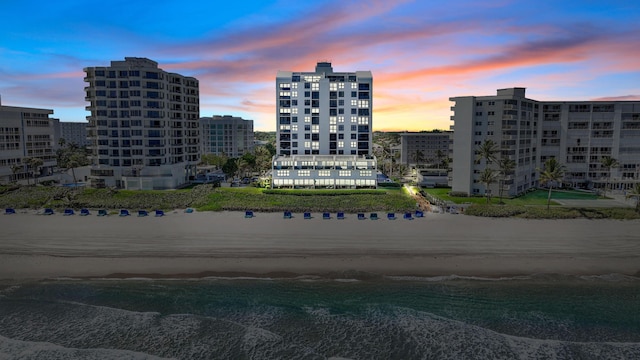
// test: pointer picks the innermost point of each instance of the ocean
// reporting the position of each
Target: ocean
(529, 317)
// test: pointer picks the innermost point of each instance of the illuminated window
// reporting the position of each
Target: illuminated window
(307, 119)
(354, 102)
(332, 129)
(307, 144)
(354, 144)
(344, 173)
(363, 120)
(294, 93)
(304, 172)
(340, 144)
(315, 86)
(282, 172)
(333, 87)
(341, 85)
(365, 173)
(340, 119)
(294, 85)
(324, 173)
(285, 86)
(294, 110)
(294, 127)
(315, 128)
(354, 119)
(285, 110)
(315, 111)
(315, 145)
(363, 103)
(354, 85)
(332, 119)
(285, 93)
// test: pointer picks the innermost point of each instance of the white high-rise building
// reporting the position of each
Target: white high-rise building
(143, 125)
(577, 133)
(324, 129)
(226, 135)
(74, 133)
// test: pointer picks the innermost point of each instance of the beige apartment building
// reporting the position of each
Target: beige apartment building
(226, 135)
(577, 133)
(143, 125)
(26, 133)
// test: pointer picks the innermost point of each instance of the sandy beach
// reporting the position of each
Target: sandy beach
(226, 244)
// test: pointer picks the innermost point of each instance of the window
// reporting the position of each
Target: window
(344, 173)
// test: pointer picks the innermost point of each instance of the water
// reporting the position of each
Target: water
(542, 317)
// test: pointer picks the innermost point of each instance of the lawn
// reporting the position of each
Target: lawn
(538, 197)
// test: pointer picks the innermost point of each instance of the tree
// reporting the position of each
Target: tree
(553, 172)
(263, 159)
(505, 168)
(488, 177)
(418, 157)
(34, 164)
(14, 170)
(634, 193)
(230, 168)
(608, 163)
(440, 158)
(212, 159)
(487, 151)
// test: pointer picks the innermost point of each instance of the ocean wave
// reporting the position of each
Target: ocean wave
(539, 277)
(17, 349)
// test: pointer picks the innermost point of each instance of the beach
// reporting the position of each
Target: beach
(200, 244)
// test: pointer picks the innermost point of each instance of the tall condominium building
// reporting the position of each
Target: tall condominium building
(26, 133)
(577, 133)
(424, 147)
(226, 135)
(143, 126)
(324, 129)
(74, 133)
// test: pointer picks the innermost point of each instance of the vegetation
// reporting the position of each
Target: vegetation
(537, 197)
(208, 198)
(537, 212)
(553, 173)
(608, 163)
(634, 193)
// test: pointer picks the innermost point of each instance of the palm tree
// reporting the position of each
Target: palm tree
(608, 163)
(488, 177)
(14, 170)
(553, 172)
(506, 167)
(440, 158)
(635, 194)
(35, 163)
(487, 150)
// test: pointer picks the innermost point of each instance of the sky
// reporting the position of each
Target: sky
(420, 52)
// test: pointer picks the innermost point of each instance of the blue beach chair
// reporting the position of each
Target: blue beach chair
(103, 212)
(124, 212)
(419, 213)
(326, 216)
(9, 211)
(361, 216)
(287, 215)
(307, 215)
(340, 216)
(159, 213)
(391, 216)
(142, 213)
(373, 216)
(189, 210)
(48, 211)
(408, 216)
(84, 212)
(68, 212)
(248, 214)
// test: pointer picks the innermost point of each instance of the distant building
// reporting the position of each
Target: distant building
(324, 129)
(427, 147)
(74, 133)
(26, 133)
(577, 133)
(228, 135)
(143, 125)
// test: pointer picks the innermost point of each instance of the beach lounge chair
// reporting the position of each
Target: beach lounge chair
(159, 213)
(373, 216)
(103, 212)
(361, 216)
(9, 211)
(68, 212)
(287, 215)
(391, 216)
(124, 212)
(340, 216)
(407, 216)
(142, 213)
(326, 216)
(84, 212)
(48, 212)
(248, 214)
(189, 210)
(419, 213)
(307, 215)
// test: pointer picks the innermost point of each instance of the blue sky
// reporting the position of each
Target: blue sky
(420, 52)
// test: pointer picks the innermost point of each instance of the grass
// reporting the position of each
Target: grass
(537, 197)
(209, 198)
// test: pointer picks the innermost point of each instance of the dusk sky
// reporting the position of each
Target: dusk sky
(420, 52)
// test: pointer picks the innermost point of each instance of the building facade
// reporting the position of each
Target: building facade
(143, 125)
(26, 133)
(323, 116)
(74, 133)
(226, 135)
(425, 148)
(577, 133)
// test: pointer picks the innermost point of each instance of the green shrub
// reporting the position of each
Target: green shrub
(494, 210)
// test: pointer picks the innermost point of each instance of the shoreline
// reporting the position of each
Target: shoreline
(217, 244)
